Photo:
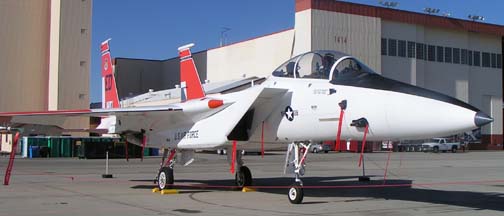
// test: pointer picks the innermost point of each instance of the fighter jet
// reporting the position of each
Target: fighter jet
(299, 104)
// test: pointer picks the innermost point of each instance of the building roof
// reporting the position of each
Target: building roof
(400, 16)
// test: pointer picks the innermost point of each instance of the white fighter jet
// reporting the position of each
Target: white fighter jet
(297, 105)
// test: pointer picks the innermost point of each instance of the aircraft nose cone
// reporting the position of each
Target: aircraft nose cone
(481, 119)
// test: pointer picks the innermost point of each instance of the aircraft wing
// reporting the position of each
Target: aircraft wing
(58, 118)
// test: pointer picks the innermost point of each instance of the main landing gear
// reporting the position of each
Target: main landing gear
(165, 178)
(295, 164)
(243, 176)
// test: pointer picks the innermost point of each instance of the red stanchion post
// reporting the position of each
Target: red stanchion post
(386, 166)
(233, 158)
(342, 105)
(338, 135)
(363, 144)
(11, 159)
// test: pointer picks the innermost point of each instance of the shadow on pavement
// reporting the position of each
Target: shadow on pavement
(470, 199)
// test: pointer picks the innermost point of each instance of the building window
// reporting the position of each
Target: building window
(485, 59)
(440, 54)
(392, 47)
(431, 53)
(476, 59)
(384, 46)
(456, 55)
(420, 51)
(499, 60)
(494, 60)
(411, 49)
(83, 31)
(463, 56)
(401, 45)
(448, 54)
(82, 63)
(470, 57)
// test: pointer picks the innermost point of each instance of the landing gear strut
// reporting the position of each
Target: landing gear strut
(295, 164)
(165, 178)
(243, 176)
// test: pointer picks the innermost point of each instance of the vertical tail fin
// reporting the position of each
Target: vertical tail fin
(190, 83)
(110, 98)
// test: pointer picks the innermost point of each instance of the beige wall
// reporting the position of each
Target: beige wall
(74, 58)
(45, 55)
(480, 86)
(356, 35)
(24, 37)
(302, 31)
(257, 57)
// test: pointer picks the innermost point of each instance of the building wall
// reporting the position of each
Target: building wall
(302, 30)
(137, 76)
(477, 85)
(45, 55)
(356, 35)
(74, 58)
(256, 57)
(24, 33)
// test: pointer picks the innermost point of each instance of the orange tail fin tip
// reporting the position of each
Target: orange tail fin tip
(110, 97)
(190, 82)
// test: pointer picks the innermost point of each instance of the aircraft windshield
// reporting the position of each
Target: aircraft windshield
(320, 65)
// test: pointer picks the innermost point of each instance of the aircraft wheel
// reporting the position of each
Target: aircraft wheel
(243, 177)
(296, 194)
(165, 178)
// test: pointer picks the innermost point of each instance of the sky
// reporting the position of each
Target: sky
(154, 29)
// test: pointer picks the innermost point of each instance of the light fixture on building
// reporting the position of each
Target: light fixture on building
(476, 18)
(431, 10)
(388, 4)
(447, 14)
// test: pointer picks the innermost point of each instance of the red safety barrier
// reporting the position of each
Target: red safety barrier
(233, 158)
(363, 144)
(203, 186)
(11, 159)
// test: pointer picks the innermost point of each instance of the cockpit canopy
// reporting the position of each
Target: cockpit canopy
(323, 64)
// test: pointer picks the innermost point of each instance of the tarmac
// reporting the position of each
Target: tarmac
(417, 183)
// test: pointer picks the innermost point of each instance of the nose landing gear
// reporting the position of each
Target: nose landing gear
(295, 164)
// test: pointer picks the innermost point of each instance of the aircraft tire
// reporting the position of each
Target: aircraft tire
(295, 194)
(165, 178)
(243, 177)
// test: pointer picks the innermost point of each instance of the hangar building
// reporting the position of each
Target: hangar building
(45, 55)
(457, 57)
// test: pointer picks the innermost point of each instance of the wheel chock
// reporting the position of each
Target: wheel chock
(155, 190)
(169, 191)
(247, 189)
